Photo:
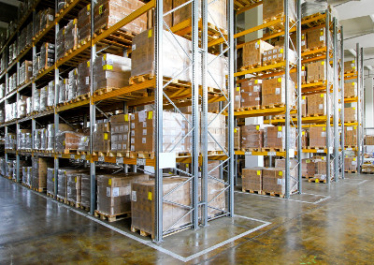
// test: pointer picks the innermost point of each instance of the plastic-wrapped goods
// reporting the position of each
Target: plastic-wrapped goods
(29, 33)
(316, 104)
(48, 15)
(10, 141)
(111, 71)
(250, 93)
(252, 179)
(63, 173)
(108, 12)
(25, 72)
(2, 117)
(84, 25)
(10, 111)
(83, 78)
(312, 7)
(39, 172)
(321, 167)
(253, 53)
(175, 128)
(275, 8)
(85, 190)
(273, 181)
(217, 72)
(308, 168)
(101, 137)
(113, 192)
(51, 94)
(51, 133)
(275, 137)
(43, 139)
(84, 143)
(317, 38)
(273, 91)
(73, 84)
(252, 136)
(51, 180)
(43, 98)
(350, 135)
(28, 105)
(71, 35)
(277, 54)
(37, 139)
(60, 5)
(350, 66)
(22, 107)
(9, 170)
(317, 136)
(2, 90)
(350, 114)
(27, 175)
(350, 164)
(60, 43)
(37, 25)
(47, 55)
(73, 191)
(2, 166)
(217, 129)
(36, 100)
(63, 90)
(21, 40)
(67, 140)
(369, 140)
(35, 65)
(294, 42)
(217, 12)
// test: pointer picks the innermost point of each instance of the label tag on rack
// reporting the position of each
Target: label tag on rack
(83, 157)
(101, 159)
(72, 156)
(248, 153)
(119, 160)
(140, 161)
(320, 151)
(272, 153)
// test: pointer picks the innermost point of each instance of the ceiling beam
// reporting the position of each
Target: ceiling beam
(11, 2)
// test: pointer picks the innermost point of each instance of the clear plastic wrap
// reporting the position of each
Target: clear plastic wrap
(47, 55)
(43, 139)
(273, 91)
(60, 43)
(84, 143)
(10, 141)
(43, 98)
(73, 84)
(51, 94)
(67, 140)
(3, 166)
(73, 190)
(27, 175)
(83, 78)
(36, 100)
(85, 190)
(39, 172)
(47, 18)
(50, 137)
(50, 180)
(62, 178)
(9, 170)
(63, 88)
(35, 65)
(22, 107)
(84, 25)
(313, 7)
(37, 139)
(71, 35)
(252, 136)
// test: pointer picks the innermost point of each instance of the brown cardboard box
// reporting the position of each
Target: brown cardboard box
(120, 123)
(71, 35)
(83, 78)
(60, 43)
(25, 72)
(317, 38)
(316, 104)
(275, 8)
(369, 139)
(277, 55)
(73, 188)
(73, 84)
(250, 93)
(274, 137)
(237, 138)
(321, 169)
(303, 41)
(317, 136)
(304, 139)
(114, 191)
(350, 66)
(252, 136)
(350, 114)
(273, 180)
(273, 91)
(237, 98)
(62, 176)
(350, 164)
(253, 51)
(84, 24)
(317, 72)
(47, 55)
(303, 76)
(350, 90)
(39, 172)
(101, 141)
(350, 135)
(308, 168)
(68, 141)
(251, 179)
(281, 163)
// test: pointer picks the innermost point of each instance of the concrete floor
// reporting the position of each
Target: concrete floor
(322, 226)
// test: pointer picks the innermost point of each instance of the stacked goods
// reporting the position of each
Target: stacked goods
(85, 190)
(317, 136)
(60, 43)
(21, 40)
(37, 139)
(317, 38)
(252, 136)
(308, 168)
(216, 196)
(273, 181)
(25, 72)
(369, 139)
(350, 66)
(175, 128)
(71, 36)
(22, 107)
(36, 100)
(217, 129)
(39, 172)
(217, 13)
(73, 190)
(73, 84)
(237, 138)
(43, 98)
(275, 137)
(214, 107)
(101, 136)
(113, 192)
(26, 175)
(275, 8)
(350, 164)
(47, 17)
(111, 71)
(237, 98)
(62, 177)
(217, 72)
(83, 78)
(250, 93)
(10, 111)
(316, 105)
(50, 180)
(35, 65)
(281, 163)
(303, 41)
(2, 166)
(47, 55)
(304, 109)
(277, 55)
(321, 167)
(367, 168)
(84, 143)
(350, 135)
(60, 5)
(273, 91)
(350, 114)
(43, 139)
(253, 52)
(350, 90)
(24, 139)
(317, 72)
(109, 12)
(252, 179)
(29, 34)
(63, 88)
(10, 141)
(51, 134)
(67, 140)
(51, 94)
(84, 25)
(2, 90)
(120, 133)
(303, 76)
(37, 23)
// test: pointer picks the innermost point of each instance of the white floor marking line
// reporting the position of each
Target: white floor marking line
(273, 197)
(362, 182)
(315, 195)
(321, 200)
(153, 245)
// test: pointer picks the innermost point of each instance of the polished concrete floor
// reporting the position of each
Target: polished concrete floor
(326, 225)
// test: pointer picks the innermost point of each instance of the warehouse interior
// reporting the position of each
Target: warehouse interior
(172, 132)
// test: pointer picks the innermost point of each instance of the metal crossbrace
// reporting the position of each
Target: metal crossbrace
(178, 186)
(218, 180)
(180, 46)
(181, 218)
(184, 172)
(102, 112)
(220, 164)
(181, 140)
(219, 145)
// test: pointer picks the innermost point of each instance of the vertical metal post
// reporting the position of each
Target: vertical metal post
(287, 118)
(17, 154)
(195, 112)
(358, 59)
(342, 98)
(336, 101)
(159, 121)
(33, 132)
(299, 97)
(56, 115)
(328, 86)
(92, 115)
(361, 107)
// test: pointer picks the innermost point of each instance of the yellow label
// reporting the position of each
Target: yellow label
(150, 115)
(104, 57)
(257, 127)
(317, 180)
(354, 159)
(187, 165)
(126, 117)
(108, 67)
(258, 42)
(322, 33)
(53, 179)
(303, 97)
(324, 128)
(322, 95)
(256, 82)
(46, 88)
(354, 127)
(354, 67)
(105, 136)
(100, 9)
(237, 88)
(353, 61)
(75, 71)
(279, 128)
(307, 161)
(323, 63)
(64, 81)
(149, 196)
(302, 133)
(75, 179)
(89, 7)
(280, 79)
(302, 37)
(354, 108)
(74, 21)
(303, 68)
(346, 156)
(280, 173)
(63, 143)
(110, 182)
(281, 51)
(322, 158)
(150, 33)
(258, 172)
(88, 63)
(235, 130)
(353, 83)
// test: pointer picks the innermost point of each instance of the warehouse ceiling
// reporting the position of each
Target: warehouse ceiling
(8, 12)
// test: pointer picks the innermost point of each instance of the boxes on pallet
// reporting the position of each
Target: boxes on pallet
(253, 52)
(38, 16)
(303, 41)
(273, 91)
(60, 43)
(350, 135)
(369, 139)
(60, 5)
(367, 168)
(252, 179)
(35, 65)
(73, 84)
(26, 175)
(67, 140)
(39, 172)
(276, 55)
(275, 137)
(303, 76)
(252, 136)
(25, 72)
(350, 164)
(114, 191)
(316, 72)
(250, 93)
(85, 190)
(51, 94)
(73, 188)
(51, 134)
(316, 104)
(29, 33)
(83, 78)
(281, 163)
(350, 90)
(71, 36)
(62, 175)
(350, 114)
(217, 129)
(84, 25)
(47, 55)
(21, 107)
(321, 167)
(275, 8)
(317, 136)
(43, 98)
(237, 98)
(274, 181)
(237, 138)
(47, 18)
(84, 143)
(120, 132)
(109, 12)
(308, 167)
(350, 66)
(24, 139)
(36, 134)
(101, 136)
(10, 141)
(316, 38)
(111, 71)
(51, 180)
(63, 87)
(43, 139)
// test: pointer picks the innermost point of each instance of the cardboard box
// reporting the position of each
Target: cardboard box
(62, 179)
(308, 168)
(276, 55)
(317, 136)
(316, 72)
(73, 84)
(253, 51)
(47, 55)
(60, 43)
(317, 38)
(71, 36)
(350, 164)
(84, 25)
(67, 140)
(83, 78)
(39, 172)
(350, 114)
(25, 72)
(316, 104)
(273, 181)
(251, 179)
(350, 90)
(274, 137)
(273, 91)
(275, 8)
(369, 139)
(350, 135)
(303, 41)
(252, 136)
(250, 93)
(350, 66)
(303, 76)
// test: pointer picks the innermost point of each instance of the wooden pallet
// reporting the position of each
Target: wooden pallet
(67, 152)
(39, 189)
(252, 191)
(251, 149)
(249, 108)
(315, 81)
(249, 67)
(141, 154)
(85, 208)
(272, 193)
(141, 78)
(273, 106)
(50, 194)
(73, 204)
(280, 26)
(211, 153)
(350, 171)
(271, 149)
(112, 218)
(104, 90)
(63, 200)
(141, 232)
(350, 72)
(316, 147)
(316, 22)
(317, 180)
(82, 97)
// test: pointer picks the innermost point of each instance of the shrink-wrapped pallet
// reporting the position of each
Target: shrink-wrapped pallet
(85, 190)
(73, 84)
(43, 139)
(47, 18)
(275, 137)
(39, 172)
(308, 167)
(350, 66)
(10, 141)
(21, 107)
(47, 55)
(350, 164)
(252, 136)
(84, 25)
(29, 34)
(317, 38)
(25, 72)
(36, 134)
(51, 94)
(317, 72)
(350, 135)
(369, 140)
(101, 137)
(350, 114)
(253, 52)
(43, 98)
(275, 9)
(317, 136)
(274, 181)
(60, 43)
(62, 177)
(36, 100)
(274, 91)
(120, 132)
(63, 87)
(67, 140)
(35, 65)
(83, 78)
(350, 90)
(316, 105)
(71, 36)
(51, 134)
(50, 180)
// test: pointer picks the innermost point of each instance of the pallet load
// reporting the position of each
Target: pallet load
(237, 138)
(350, 164)
(304, 139)
(63, 175)
(277, 55)
(73, 190)
(274, 182)
(316, 105)
(350, 90)
(317, 137)
(68, 141)
(369, 139)
(237, 98)
(303, 41)
(84, 78)
(43, 98)
(26, 175)
(316, 38)
(71, 36)
(84, 25)
(47, 18)
(253, 53)
(252, 137)
(303, 76)
(21, 106)
(47, 56)
(252, 180)
(25, 72)
(273, 9)
(216, 129)
(320, 175)
(85, 191)
(275, 137)
(60, 43)
(39, 173)
(367, 168)
(273, 92)
(111, 72)
(73, 84)
(50, 94)
(316, 72)
(350, 135)
(10, 141)
(24, 139)
(51, 134)
(113, 194)
(50, 181)
(308, 168)
(120, 133)
(350, 114)
(250, 93)
(350, 67)
(101, 137)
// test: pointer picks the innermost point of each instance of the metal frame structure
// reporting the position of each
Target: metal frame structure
(342, 121)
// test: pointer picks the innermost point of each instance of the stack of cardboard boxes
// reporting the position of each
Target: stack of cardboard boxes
(101, 136)
(250, 93)
(120, 133)
(252, 137)
(316, 105)
(273, 91)
(350, 135)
